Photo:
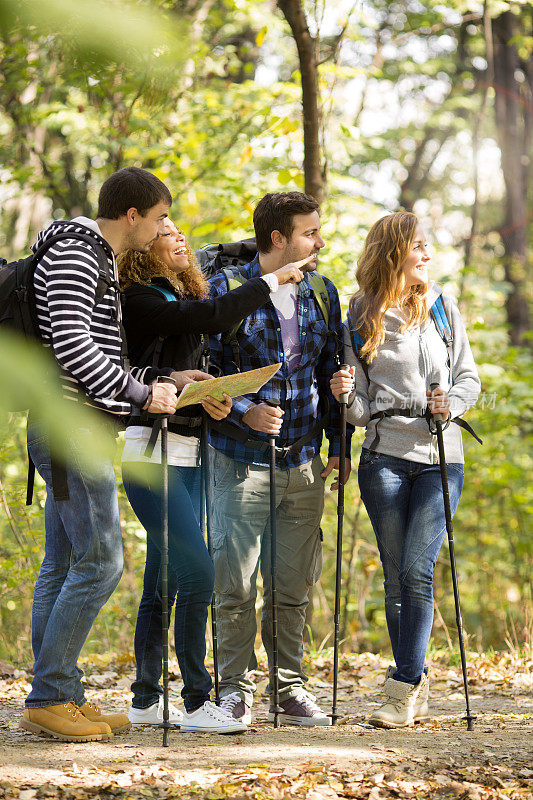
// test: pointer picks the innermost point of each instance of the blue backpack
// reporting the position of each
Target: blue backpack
(443, 325)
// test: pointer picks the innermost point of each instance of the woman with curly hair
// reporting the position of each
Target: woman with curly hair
(166, 314)
(397, 353)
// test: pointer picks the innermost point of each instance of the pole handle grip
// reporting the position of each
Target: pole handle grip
(436, 417)
(343, 399)
(272, 404)
(172, 382)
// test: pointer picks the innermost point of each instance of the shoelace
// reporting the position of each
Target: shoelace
(308, 701)
(229, 702)
(220, 714)
(172, 709)
(72, 709)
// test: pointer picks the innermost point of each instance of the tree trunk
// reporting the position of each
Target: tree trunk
(513, 123)
(307, 55)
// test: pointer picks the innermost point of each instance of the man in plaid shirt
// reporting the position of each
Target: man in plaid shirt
(305, 336)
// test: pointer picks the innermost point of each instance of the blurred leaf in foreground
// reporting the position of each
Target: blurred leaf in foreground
(30, 380)
(118, 32)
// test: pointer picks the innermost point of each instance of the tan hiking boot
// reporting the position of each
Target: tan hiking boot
(64, 722)
(116, 722)
(398, 711)
(421, 707)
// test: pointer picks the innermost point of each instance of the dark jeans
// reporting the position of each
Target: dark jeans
(81, 568)
(191, 575)
(405, 504)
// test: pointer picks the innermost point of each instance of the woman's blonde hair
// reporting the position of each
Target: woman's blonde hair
(135, 267)
(380, 281)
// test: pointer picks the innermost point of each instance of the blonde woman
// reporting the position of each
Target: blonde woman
(397, 351)
(166, 314)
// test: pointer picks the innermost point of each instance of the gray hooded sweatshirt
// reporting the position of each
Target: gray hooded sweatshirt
(398, 377)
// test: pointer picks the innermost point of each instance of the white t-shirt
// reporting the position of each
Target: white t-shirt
(183, 451)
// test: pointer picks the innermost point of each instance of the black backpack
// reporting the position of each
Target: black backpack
(18, 313)
(215, 257)
(17, 293)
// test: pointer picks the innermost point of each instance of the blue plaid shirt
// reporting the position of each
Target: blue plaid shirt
(302, 393)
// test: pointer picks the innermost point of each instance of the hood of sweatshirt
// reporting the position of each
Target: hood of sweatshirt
(77, 225)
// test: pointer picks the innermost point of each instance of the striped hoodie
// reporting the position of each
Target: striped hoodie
(85, 338)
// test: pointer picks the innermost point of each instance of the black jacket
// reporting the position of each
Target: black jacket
(148, 316)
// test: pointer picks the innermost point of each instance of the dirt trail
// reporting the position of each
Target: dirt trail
(439, 759)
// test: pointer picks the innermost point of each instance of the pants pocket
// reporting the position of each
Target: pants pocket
(223, 471)
(315, 563)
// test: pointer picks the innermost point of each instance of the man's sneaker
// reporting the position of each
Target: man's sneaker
(65, 722)
(153, 715)
(300, 710)
(235, 705)
(398, 711)
(117, 722)
(210, 718)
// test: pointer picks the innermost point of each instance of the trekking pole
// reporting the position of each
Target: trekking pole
(164, 565)
(343, 401)
(274, 600)
(449, 527)
(206, 516)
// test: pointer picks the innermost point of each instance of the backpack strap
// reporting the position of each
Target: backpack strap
(106, 277)
(322, 299)
(152, 353)
(234, 278)
(443, 325)
(318, 285)
(30, 481)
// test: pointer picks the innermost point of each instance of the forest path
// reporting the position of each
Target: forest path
(438, 759)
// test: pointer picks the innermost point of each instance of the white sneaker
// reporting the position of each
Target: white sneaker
(153, 715)
(235, 705)
(209, 718)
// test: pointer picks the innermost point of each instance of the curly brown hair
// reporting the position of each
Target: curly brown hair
(136, 267)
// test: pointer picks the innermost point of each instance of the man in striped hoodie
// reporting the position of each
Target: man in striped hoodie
(83, 552)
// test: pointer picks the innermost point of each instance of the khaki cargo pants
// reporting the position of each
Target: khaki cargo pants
(240, 529)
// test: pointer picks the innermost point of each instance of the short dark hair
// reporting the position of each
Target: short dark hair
(276, 212)
(131, 187)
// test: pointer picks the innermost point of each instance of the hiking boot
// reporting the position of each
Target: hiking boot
(65, 722)
(235, 705)
(153, 715)
(210, 718)
(421, 709)
(398, 711)
(300, 709)
(117, 722)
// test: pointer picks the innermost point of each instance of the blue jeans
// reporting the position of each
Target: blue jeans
(81, 568)
(191, 576)
(406, 508)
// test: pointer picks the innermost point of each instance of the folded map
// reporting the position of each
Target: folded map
(233, 385)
